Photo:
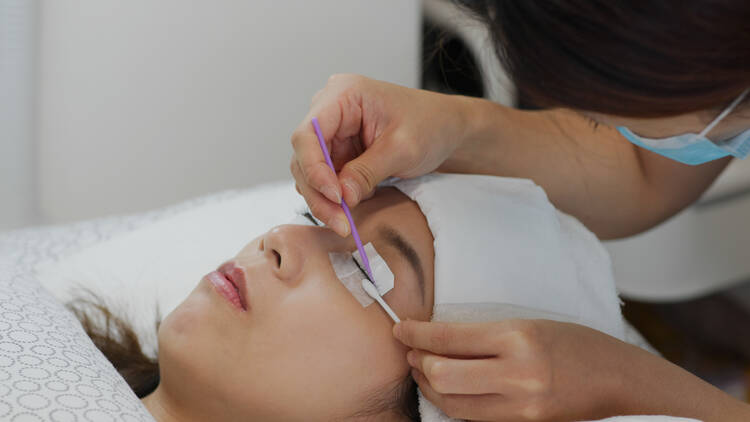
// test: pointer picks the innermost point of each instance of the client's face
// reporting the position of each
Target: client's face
(305, 349)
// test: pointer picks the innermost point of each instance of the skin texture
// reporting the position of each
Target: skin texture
(305, 350)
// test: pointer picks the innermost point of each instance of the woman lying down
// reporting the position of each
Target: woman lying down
(284, 332)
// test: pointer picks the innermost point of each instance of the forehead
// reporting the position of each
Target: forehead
(391, 207)
(384, 200)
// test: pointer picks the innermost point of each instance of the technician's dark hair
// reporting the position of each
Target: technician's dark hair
(115, 338)
(639, 58)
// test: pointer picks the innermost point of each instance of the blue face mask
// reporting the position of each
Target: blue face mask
(695, 148)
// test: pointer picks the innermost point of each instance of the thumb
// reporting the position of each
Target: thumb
(359, 176)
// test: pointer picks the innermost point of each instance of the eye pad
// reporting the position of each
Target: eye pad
(383, 276)
(351, 276)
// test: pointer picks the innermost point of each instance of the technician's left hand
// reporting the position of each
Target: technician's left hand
(516, 370)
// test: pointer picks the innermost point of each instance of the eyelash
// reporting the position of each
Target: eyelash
(307, 214)
(593, 123)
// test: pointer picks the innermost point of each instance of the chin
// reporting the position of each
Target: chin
(190, 321)
(183, 337)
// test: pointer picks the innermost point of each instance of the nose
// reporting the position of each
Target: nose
(281, 247)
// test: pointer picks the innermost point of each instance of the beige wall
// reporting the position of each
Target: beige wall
(143, 103)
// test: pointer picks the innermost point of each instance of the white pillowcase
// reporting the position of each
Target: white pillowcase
(49, 368)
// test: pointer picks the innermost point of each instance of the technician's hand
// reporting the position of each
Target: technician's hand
(374, 130)
(515, 370)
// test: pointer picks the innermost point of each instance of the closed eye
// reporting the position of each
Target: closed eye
(362, 269)
(305, 212)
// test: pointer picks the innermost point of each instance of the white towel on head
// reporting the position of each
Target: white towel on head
(499, 240)
(503, 251)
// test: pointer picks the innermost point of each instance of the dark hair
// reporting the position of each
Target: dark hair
(117, 340)
(638, 58)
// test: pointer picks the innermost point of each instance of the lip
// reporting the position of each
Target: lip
(225, 288)
(236, 275)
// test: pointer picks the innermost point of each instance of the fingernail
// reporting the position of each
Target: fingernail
(341, 226)
(353, 192)
(411, 358)
(331, 193)
(397, 331)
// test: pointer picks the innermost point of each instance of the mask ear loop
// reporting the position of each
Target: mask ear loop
(723, 113)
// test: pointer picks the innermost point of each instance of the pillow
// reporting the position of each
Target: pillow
(49, 368)
(152, 269)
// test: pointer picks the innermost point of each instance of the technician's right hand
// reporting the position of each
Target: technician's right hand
(374, 130)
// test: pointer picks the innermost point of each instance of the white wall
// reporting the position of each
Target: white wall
(17, 54)
(143, 103)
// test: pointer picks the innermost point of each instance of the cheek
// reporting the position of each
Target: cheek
(323, 317)
(197, 317)
(313, 337)
(198, 344)
(319, 338)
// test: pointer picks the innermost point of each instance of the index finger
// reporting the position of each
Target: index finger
(443, 338)
(312, 163)
(339, 116)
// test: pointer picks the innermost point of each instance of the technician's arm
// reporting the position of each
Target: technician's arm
(653, 385)
(613, 187)
(376, 130)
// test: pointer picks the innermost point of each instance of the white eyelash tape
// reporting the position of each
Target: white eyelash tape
(350, 275)
(384, 278)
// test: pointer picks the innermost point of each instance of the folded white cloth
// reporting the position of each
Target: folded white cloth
(503, 251)
(500, 241)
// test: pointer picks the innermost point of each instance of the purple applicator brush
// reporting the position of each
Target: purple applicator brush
(348, 214)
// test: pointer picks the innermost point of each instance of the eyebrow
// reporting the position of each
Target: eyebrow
(405, 248)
